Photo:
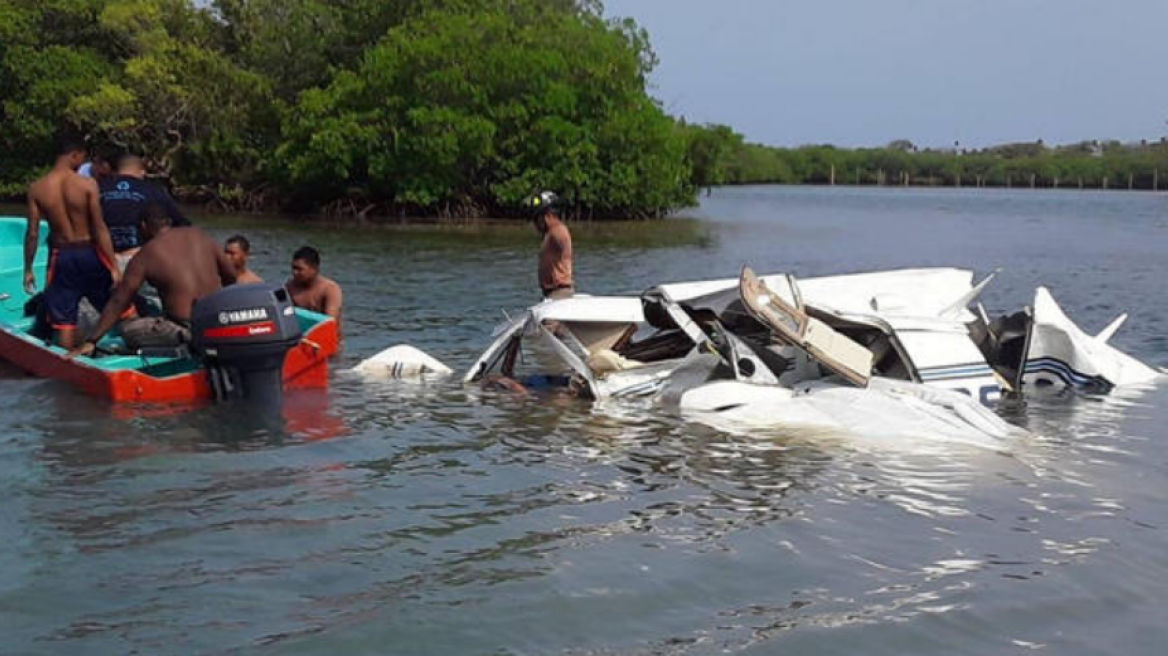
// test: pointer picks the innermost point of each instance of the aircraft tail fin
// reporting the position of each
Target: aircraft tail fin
(1109, 331)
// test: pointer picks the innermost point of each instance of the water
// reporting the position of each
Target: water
(391, 518)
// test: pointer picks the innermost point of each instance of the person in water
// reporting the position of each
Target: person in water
(309, 289)
(183, 264)
(238, 249)
(124, 197)
(80, 252)
(555, 255)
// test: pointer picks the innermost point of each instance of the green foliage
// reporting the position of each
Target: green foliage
(474, 105)
(435, 106)
(709, 150)
(38, 84)
(281, 40)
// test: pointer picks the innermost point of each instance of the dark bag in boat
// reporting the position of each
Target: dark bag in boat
(35, 307)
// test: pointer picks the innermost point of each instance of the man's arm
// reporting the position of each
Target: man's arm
(32, 234)
(332, 301)
(100, 230)
(121, 299)
(563, 240)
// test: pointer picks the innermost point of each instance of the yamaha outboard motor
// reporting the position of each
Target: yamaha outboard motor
(243, 333)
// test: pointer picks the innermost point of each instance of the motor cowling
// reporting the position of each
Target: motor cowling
(243, 333)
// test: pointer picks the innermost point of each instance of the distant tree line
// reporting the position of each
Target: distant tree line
(720, 156)
(357, 107)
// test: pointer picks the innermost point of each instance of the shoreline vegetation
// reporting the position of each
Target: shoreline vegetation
(423, 110)
(722, 157)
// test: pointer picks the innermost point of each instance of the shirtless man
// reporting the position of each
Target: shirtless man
(309, 289)
(183, 264)
(239, 249)
(555, 254)
(81, 255)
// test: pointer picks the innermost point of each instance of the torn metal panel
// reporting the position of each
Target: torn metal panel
(792, 325)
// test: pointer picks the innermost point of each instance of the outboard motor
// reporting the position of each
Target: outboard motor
(243, 333)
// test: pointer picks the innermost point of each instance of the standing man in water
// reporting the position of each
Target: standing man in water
(309, 289)
(124, 198)
(238, 249)
(555, 255)
(81, 257)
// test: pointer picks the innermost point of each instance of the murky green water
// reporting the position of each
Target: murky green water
(390, 518)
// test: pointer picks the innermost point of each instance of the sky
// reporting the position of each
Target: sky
(867, 72)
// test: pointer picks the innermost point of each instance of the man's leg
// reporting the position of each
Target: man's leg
(66, 337)
(558, 294)
(62, 298)
(99, 285)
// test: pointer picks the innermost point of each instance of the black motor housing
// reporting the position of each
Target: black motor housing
(243, 333)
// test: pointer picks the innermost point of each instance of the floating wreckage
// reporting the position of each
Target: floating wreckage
(896, 352)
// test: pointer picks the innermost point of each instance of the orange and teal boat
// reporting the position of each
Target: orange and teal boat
(129, 377)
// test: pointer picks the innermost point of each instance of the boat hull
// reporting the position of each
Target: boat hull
(306, 365)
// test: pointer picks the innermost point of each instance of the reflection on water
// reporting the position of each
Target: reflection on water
(392, 517)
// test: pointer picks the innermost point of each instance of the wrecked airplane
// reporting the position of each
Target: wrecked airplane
(896, 350)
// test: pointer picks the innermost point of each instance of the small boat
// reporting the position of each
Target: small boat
(157, 375)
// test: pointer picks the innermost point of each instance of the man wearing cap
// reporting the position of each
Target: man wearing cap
(555, 255)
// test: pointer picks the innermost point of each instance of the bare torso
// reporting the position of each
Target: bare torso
(64, 199)
(184, 265)
(323, 295)
(247, 277)
(555, 258)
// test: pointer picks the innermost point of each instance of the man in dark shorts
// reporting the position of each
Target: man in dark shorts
(124, 197)
(555, 254)
(238, 248)
(80, 253)
(184, 265)
(309, 289)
